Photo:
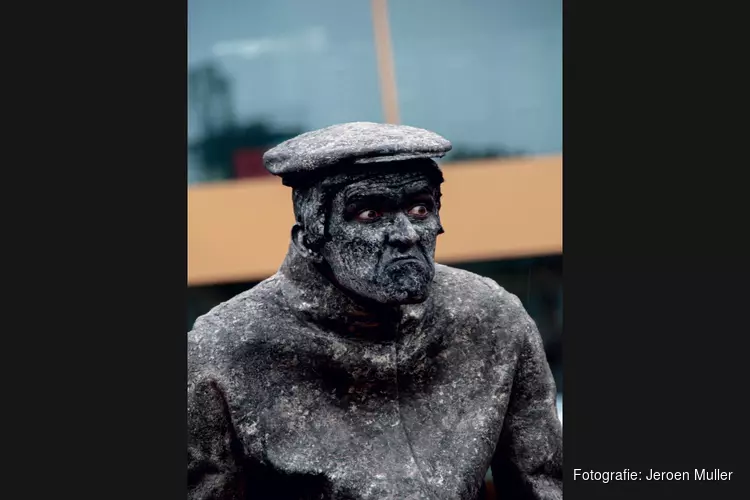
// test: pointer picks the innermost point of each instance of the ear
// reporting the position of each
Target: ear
(299, 241)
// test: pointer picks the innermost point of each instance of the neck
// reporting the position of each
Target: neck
(320, 299)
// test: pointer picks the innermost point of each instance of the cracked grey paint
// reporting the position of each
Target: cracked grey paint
(362, 369)
(359, 142)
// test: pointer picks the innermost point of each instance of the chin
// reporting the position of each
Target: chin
(408, 289)
(398, 288)
(393, 295)
(403, 296)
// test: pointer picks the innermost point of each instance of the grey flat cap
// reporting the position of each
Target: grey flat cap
(358, 142)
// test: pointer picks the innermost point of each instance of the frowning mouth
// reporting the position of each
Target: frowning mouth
(405, 258)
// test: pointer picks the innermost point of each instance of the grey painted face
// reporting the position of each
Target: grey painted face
(382, 232)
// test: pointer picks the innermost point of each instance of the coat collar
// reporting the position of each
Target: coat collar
(314, 298)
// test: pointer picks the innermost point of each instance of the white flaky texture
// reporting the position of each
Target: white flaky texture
(290, 398)
(359, 142)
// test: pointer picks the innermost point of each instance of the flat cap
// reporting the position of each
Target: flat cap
(356, 142)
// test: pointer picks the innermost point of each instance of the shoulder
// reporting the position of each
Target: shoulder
(244, 319)
(479, 291)
(469, 294)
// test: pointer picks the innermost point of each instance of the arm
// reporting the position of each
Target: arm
(528, 458)
(214, 452)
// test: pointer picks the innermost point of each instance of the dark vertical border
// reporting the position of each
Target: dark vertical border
(655, 293)
(106, 415)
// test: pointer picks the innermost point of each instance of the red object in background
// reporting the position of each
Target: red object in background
(249, 163)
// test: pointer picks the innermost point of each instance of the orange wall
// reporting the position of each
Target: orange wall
(492, 209)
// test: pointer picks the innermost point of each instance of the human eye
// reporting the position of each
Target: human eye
(419, 211)
(368, 215)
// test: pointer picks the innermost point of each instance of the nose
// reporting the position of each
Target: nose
(402, 234)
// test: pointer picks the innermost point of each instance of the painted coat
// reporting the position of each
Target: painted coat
(294, 392)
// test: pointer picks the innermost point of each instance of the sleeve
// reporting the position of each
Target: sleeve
(214, 452)
(527, 463)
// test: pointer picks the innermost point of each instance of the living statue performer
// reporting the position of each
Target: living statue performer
(362, 369)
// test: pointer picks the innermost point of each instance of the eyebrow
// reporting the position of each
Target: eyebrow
(358, 199)
(421, 192)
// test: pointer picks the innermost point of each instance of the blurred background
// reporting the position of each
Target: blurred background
(486, 74)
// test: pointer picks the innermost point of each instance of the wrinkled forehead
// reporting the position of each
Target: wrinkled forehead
(391, 185)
